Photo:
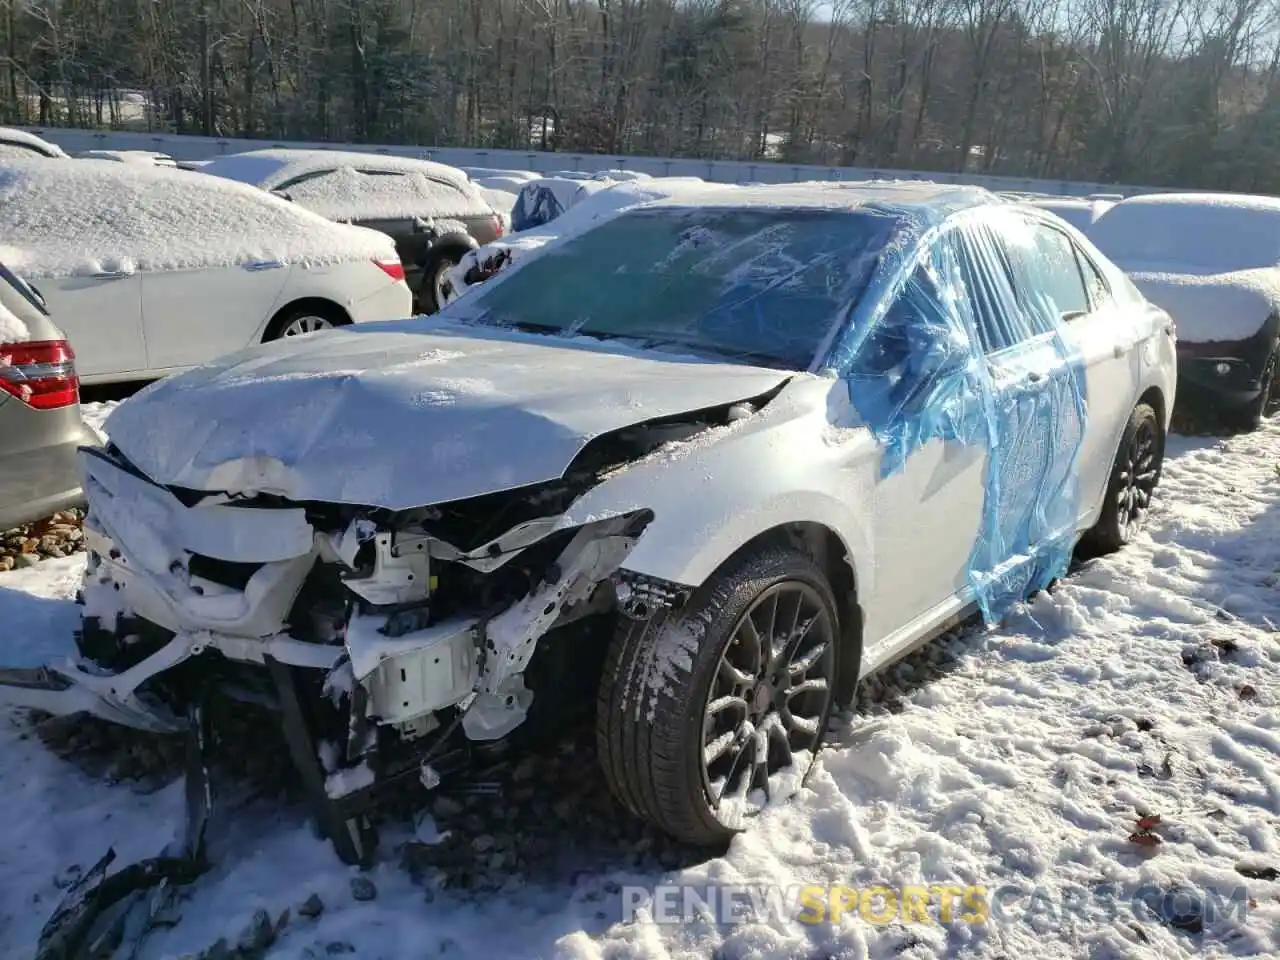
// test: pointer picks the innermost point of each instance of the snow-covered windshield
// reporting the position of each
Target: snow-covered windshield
(761, 285)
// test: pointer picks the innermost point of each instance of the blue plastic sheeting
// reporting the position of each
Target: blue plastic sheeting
(958, 338)
(541, 201)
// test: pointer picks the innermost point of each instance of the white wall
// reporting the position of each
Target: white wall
(723, 171)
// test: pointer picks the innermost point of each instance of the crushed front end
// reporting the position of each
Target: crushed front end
(393, 646)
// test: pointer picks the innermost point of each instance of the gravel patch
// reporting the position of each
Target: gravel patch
(57, 536)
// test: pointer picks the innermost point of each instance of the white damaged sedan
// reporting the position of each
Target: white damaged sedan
(699, 468)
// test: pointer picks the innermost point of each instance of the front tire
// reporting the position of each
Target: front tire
(1250, 416)
(1134, 477)
(706, 716)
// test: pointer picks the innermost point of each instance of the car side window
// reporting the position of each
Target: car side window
(1047, 272)
(290, 184)
(1094, 281)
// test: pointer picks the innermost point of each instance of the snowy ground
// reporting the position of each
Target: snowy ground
(1019, 757)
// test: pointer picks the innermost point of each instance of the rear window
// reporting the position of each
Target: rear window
(764, 286)
(1201, 237)
(22, 151)
(24, 289)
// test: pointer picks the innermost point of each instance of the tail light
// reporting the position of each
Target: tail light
(497, 227)
(392, 268)
(42, 373)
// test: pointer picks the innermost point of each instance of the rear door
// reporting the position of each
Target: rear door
(101, 315)
(1037, 420)
(1056, 280)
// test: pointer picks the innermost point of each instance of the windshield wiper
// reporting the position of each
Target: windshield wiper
(728, 353)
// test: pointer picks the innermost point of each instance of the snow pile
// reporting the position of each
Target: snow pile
(348, 194)
(1019, 759)
(76, 219)
(12, 329)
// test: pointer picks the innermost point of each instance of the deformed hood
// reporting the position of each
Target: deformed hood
(406, 414)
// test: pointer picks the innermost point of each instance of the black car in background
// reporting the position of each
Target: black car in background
(434, 212)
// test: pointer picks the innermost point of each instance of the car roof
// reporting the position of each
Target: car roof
(272, 167)
(26, 139)
(936, 201)
(1202, 199)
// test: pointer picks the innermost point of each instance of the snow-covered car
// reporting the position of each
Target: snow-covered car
(150, 158)
(495, 178)
(432, 211)
(20, 144)
(1213, 262)
(540, 201)
(1077, 211)
(606, 200)
(691, 497)
(150, 270)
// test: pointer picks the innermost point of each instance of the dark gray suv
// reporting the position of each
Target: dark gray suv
(40, 424)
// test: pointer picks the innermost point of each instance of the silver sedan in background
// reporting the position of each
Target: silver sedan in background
(40, 423)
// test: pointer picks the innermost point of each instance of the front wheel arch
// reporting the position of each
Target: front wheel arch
(833, 556)
(658, 673)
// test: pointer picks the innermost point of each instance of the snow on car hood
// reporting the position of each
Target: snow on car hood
(1208, 308)
(407, 414)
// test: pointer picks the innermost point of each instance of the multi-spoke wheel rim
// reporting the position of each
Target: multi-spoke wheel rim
(1267, 400)
(1138, 478)
(306, 324)
(443, 286)
(768, 702)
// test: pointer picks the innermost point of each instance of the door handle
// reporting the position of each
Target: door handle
(256, 265)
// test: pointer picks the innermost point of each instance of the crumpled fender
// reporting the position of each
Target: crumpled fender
(721, 489)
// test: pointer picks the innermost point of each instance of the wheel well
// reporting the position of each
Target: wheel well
(452, 246)
(318, 305)
(1155, 398)
(826, 547)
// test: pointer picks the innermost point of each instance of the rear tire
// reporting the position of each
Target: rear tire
(1134, 477)
(304, 318)
(680, 687)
